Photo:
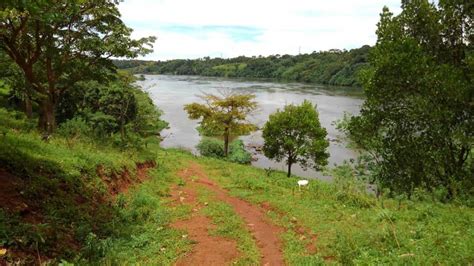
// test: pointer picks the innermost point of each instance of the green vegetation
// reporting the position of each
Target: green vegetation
(224, 115)
(141, 229)
(57, 45)
(211, 147)
(61, 207)
(333, 67)
(417, 122)
(294, 134)
(104, 111)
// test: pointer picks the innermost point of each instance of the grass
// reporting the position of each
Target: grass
(230, 225)
(143, 236)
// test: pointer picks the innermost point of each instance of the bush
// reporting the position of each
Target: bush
(74, 128)
(238, 154)
(210, 147)
(214, 148)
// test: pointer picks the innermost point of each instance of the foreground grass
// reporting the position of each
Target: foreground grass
(143, 236)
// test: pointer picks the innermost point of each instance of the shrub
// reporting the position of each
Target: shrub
(238, 154)
(210, 147)
(214, 148)
(74, 128)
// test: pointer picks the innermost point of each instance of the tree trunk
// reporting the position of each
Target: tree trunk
(226, 142)
(122, 130)
(28, 108)
(289, 168)
(47, 119)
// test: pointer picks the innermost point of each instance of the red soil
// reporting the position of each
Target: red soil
(120, 182)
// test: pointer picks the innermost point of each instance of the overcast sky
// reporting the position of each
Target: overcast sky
(199, 28)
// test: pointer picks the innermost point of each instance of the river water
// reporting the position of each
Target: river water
(171, 93)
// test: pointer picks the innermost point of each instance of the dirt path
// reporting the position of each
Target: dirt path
(264, 231)
(208, 250)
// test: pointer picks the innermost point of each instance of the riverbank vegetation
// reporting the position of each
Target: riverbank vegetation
(333, 67)
(417, 122)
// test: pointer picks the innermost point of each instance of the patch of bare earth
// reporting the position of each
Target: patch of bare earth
(12, 200)
(121, 182)
(265, 233)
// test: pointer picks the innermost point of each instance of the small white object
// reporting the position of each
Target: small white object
(302, 183)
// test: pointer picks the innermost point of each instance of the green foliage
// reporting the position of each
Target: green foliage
(224, 114)
(417, 121)
(69, 202)
(147, 122)
(295, 135)
(334, 67)
(211, 147)
(110, 109)
(57, 45)
(238, 154)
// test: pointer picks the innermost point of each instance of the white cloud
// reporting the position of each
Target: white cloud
(192, 29)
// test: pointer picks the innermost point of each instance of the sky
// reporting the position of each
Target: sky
(189, 29)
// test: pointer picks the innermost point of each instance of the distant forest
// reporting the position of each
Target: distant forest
(333, 67)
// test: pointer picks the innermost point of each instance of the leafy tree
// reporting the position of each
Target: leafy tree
(295, 134)
(224, 114)
(57, 43)
(417, 121)
(147, 122)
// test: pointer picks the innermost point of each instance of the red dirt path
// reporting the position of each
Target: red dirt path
(208, 250)
(264, 231)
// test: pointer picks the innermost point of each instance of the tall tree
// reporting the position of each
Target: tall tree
(417, 120)
(57, 43)
(224, 114)
(295, 135)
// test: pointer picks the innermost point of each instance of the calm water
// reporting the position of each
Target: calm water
(171, 93)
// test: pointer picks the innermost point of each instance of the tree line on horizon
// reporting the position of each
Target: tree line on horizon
(332, 67)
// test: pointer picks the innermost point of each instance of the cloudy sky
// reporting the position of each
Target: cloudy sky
(215, 28)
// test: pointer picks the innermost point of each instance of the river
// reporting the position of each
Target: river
(171, 93)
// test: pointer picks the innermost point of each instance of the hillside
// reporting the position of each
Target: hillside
(92, 203)
(333, 67)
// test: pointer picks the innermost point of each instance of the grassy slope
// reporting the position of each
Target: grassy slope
(352, 227)
(132, 227)
(65, 210)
